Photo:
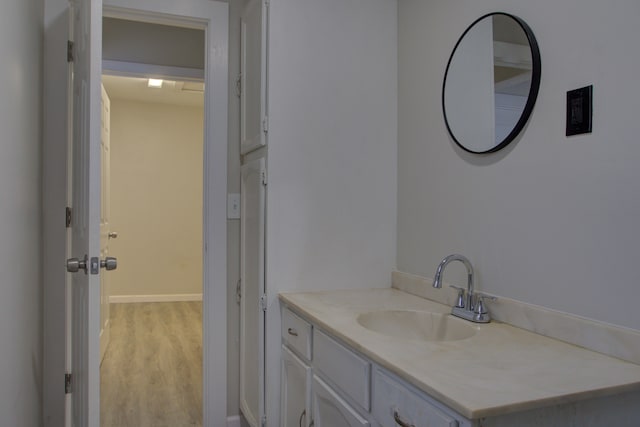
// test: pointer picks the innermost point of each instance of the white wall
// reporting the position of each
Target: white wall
(156, 198)
(332, 143)
(148, 43)
(21, 23)
(331, 197)
(550, 220)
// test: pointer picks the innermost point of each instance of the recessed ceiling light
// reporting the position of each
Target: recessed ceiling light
(155, 83)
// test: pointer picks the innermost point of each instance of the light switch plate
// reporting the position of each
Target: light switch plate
(233, 206)
(579, 110)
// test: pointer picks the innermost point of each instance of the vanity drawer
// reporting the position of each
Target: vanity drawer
(393, 400)
(348, 371)
(296, 333)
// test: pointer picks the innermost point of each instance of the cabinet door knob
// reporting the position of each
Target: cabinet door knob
(400, 421)
(293, 332)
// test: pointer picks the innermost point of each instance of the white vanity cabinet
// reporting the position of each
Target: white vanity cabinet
(327, 384)
(394, 404)
(323, 382)
(349, 372)
(330, 410)
(360, 378)
(296, 371)
(296, 390)
(349, 375)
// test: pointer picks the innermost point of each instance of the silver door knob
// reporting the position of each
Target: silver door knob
(109, 263)
(74, 265)
(112, 235)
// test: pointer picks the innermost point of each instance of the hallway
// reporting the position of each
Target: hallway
(151, 374)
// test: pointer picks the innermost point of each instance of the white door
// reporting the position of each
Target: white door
(86, 25)
(296, 391)
(105, 230)
(84, 173)
(253, 76)
(252, 315)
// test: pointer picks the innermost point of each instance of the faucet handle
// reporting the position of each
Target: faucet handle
(460, 299)
(480, 308)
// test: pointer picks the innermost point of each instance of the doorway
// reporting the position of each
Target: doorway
(151, 371)
(210, 17)
(77, 360)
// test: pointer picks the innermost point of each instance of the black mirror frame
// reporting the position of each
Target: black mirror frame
(533, 90)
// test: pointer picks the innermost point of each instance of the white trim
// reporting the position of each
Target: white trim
(233, 421)
(55, 135)
(161, 12)
(122, 299)
(135, 69)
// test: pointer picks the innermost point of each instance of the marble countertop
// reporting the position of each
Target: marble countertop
(500, 370)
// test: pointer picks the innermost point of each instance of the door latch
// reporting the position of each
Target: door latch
(74, 264)
(109, 263)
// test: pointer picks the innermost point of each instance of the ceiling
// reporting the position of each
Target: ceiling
(172, 92)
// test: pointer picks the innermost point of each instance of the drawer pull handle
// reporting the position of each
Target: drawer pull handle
(303, 415)
(400, 421)
(293, 332)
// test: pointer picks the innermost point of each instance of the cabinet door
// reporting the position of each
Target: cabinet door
(296, 391)
(253, 76)
(252, 316)
(330, 410)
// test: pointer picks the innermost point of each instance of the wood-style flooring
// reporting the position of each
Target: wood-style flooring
(151, 374)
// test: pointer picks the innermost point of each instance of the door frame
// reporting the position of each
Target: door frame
(213, 17)
(56, 135)
(254, 165)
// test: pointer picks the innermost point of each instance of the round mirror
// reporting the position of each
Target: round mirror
(491, 83)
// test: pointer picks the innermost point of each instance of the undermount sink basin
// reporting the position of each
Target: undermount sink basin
(417, 325)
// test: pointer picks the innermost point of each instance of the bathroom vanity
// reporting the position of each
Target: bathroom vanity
(383, 357)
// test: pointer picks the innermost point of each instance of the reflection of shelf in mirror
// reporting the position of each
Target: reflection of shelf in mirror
(511, 55)
(518, 85)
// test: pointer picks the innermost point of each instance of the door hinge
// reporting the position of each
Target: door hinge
(67, 383)
(67, 217)
(70, 51)
(263, 421)
(239, 291)
(263, 176)
(263, 302)
(265, 124)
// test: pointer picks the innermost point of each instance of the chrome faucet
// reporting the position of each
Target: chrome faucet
(469, 305)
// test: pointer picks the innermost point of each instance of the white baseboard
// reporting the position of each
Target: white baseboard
(233, 421)
(119, 299)
(237, 421)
